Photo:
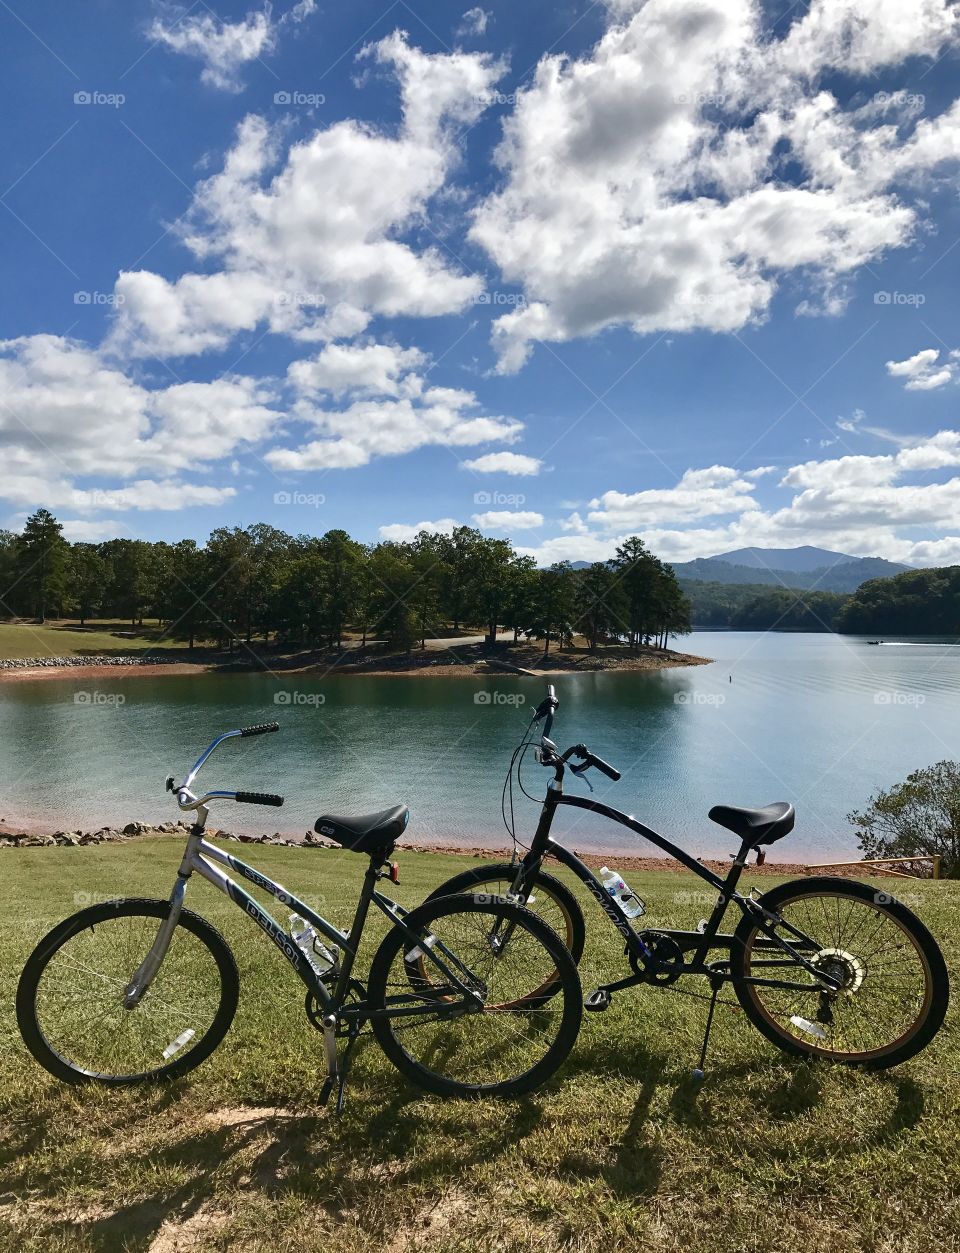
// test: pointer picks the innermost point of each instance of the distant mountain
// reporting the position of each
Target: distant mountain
(834, 572)
(804, 558)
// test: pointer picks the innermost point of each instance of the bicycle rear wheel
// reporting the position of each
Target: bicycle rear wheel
(549, 898)
(507, 1040)
(70, 998)
(894, 986)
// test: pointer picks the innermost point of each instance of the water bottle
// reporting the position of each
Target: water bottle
(629, 902)
(310, 944)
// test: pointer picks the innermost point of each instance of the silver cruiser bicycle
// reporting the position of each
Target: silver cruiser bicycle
(822, 966)
(136, 989)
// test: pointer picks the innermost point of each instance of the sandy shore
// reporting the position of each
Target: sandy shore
(148, 669)
(522, 661)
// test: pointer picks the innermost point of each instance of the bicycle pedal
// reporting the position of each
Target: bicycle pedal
(597, 1001)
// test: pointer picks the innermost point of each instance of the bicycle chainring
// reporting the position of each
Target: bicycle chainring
(663, 965)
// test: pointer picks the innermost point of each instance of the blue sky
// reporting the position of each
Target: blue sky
(566, 272)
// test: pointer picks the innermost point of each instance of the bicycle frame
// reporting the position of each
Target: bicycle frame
(200, 856)
(698, 942)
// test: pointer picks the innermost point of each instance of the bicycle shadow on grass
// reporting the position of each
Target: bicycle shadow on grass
(274, 1152)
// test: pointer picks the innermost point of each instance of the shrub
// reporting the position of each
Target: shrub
(917, 818)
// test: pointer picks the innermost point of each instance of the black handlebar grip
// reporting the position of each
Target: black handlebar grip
(551, 692)
(258, 798)
(260, 729)
(604, 767)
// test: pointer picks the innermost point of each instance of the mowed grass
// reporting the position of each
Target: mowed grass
(618, 1151)
(64, 639)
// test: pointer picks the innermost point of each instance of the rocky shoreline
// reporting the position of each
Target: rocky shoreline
(58, 663)
(135, 830)
(122, 835)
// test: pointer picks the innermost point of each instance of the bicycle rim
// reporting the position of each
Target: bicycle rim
(886, 980)
(83, 1030)
(518, 1037)
(541, 902)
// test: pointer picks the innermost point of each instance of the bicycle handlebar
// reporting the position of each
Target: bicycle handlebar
(258, 798)
(546, 710)
(186, 798)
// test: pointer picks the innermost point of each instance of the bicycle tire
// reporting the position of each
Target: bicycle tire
(803, 1041)
(528, 932)
(574, 931)
(62, 1067)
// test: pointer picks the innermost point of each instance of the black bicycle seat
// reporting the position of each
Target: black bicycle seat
(365, 833)
(759, 826)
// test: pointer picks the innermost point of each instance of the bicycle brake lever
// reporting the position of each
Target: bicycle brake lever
(581, 772)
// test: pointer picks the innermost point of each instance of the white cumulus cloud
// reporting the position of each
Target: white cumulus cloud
(669, 178)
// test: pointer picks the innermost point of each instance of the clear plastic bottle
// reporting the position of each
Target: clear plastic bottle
(626, 898)
(310, 944)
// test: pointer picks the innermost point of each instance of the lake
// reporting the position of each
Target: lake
(820, 720)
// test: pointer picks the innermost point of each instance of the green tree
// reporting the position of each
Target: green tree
(601, 608)
(635, 569)
(42, 556)
(518, 607)
(8, 571)
(89, 577)
(918, 602)
(554, 606)
(393, 579)
(917, 818)
(133, 584)
(490, 583)
(188, 587)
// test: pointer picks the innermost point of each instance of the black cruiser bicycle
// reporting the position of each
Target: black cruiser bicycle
(822, 966)
(133, 990)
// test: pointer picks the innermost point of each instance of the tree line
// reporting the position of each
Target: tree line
(917, 602)
(257, 583)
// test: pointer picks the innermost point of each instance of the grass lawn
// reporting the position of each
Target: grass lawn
(618, 1151)
(63, 639)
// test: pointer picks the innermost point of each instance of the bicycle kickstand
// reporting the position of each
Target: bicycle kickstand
(334, 1077)
(716, 982)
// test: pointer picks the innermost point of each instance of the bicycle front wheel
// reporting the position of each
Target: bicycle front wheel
(480, 1023)
(70, 999)
(893, 985)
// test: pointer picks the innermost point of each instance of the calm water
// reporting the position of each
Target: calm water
(819, 720)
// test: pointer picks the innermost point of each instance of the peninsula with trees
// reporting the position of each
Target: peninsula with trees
(256, 596)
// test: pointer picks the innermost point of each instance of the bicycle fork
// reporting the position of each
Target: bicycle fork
(147, 971)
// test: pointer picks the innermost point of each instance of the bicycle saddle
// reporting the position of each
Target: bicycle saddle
(759, 826)
(365, 833)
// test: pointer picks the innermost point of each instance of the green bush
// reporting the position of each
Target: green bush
(917, 818)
